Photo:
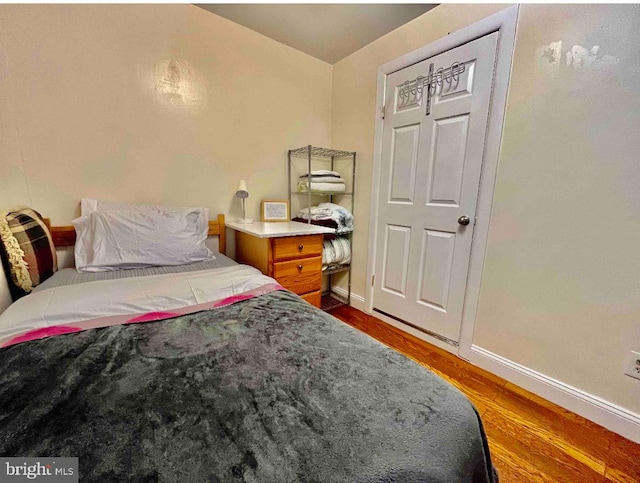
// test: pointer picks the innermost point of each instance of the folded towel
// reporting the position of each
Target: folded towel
(340, 215)
(336, 252)
(328, 222)
(303, 187)
(305, 216)
(329, 211)
(325, 179)
(314, 210)
(322, 172)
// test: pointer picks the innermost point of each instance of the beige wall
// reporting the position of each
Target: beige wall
(91, 107)
(560, 292)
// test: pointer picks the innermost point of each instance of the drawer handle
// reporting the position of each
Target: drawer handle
(300, 247)
(299, 267)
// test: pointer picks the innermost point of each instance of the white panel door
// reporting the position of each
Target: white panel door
(430, 176)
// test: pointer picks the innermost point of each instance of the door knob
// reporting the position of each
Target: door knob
(464, 220)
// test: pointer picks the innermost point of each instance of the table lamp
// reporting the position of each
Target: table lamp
(243, 194)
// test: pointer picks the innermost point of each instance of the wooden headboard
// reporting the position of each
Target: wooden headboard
(65, 236)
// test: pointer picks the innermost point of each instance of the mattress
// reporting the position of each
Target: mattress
(256, 385)
(70, 276)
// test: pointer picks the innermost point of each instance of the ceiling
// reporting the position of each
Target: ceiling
(329, 32)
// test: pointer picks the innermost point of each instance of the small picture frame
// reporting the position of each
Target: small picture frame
(274, 210)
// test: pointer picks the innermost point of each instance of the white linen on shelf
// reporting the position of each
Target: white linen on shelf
(303, 187)
(324, 179)
(321, 172)
(330, 211)
(316, 213)
(342, 216)
(336, 252)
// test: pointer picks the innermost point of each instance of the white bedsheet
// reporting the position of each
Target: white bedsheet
(129, 296)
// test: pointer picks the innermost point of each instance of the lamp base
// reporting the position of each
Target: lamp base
(244, 220)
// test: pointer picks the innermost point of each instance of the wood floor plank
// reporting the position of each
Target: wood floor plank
(512, 468)
(582, 439)
(478, 382)
(530, 438)
(533, 400)
(624, 460)
(524, 444)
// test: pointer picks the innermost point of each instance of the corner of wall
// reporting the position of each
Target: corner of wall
(5, 296)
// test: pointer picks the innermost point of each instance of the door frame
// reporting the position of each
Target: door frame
(504, 22)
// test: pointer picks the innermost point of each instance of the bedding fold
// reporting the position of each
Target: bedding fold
(138, 299)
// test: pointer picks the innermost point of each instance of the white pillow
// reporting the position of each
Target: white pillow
(141, 236)
(89, 205)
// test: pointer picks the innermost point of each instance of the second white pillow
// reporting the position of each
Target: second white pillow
(133, 238)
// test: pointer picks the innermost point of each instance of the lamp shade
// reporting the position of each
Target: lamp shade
(241, 191)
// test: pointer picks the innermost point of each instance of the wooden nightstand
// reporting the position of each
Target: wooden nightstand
(290, 252)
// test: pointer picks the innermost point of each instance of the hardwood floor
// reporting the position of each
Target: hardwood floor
(531, 439)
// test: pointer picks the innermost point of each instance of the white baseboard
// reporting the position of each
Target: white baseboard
(615, 418)
(357, 301)
(604, 413)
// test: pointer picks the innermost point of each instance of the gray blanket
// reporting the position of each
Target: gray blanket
(266, 390)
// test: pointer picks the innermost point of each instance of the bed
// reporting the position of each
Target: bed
(243, 382)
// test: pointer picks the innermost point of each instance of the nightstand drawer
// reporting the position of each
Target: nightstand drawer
(297, 246)
(314, 298)
(300, 276)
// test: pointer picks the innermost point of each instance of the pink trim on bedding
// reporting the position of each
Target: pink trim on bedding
(232, 300)
(151, 316)
(108, 321)
(42, 333)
